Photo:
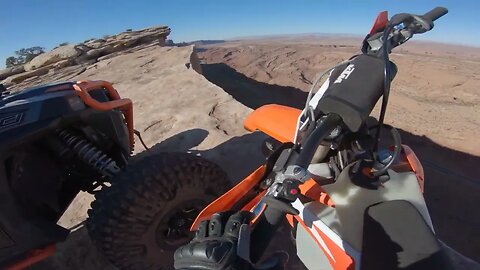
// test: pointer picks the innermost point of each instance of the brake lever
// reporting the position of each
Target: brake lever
(416, 23)
(421, 24)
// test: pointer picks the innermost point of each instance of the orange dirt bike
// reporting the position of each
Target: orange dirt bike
(352, 203)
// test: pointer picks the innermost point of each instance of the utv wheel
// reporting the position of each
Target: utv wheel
(146, 214)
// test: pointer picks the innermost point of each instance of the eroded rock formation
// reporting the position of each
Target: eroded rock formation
(84, 53)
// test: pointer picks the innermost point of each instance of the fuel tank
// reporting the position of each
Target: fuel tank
(331, 237)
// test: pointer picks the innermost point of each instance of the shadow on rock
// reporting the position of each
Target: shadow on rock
(180, 142)
(452, 185)
(250, 92)
(238, 156)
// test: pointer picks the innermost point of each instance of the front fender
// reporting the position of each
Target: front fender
(277, 121)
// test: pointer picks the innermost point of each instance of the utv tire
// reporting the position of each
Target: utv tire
(145, 215)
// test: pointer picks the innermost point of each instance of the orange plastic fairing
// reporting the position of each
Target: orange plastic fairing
(290, 219)
(227, 200)
(251, 204)
(124, 104)
(33, 257)
(276, 121)
(415, 164)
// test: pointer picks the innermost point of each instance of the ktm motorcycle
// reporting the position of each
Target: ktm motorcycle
(352, 202)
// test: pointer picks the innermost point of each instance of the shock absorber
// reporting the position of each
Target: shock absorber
(90, 154)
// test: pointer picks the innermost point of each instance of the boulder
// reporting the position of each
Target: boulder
(5, 73)
(95, 53)
(162, 42)
(7, 84)
(134, 38)
(109, 56)
(95, 48)
(31, 79)
(125, 41)
(58, 54)
(83, 48)
(63, 63)
(95, 43)
(25, 75)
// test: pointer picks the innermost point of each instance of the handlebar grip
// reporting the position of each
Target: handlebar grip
(435, 13)
(263, 232)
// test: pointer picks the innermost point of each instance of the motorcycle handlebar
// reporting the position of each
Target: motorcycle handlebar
(272, 216)
(435, 13)
(308, 149)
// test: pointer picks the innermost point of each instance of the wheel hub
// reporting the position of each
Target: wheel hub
(173, 229)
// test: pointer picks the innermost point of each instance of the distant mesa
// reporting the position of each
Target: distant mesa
(198, 42)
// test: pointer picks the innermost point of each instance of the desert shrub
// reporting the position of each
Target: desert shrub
(11, 61)
(23, 56)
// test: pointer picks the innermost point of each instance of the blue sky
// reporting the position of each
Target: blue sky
(25, 23)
